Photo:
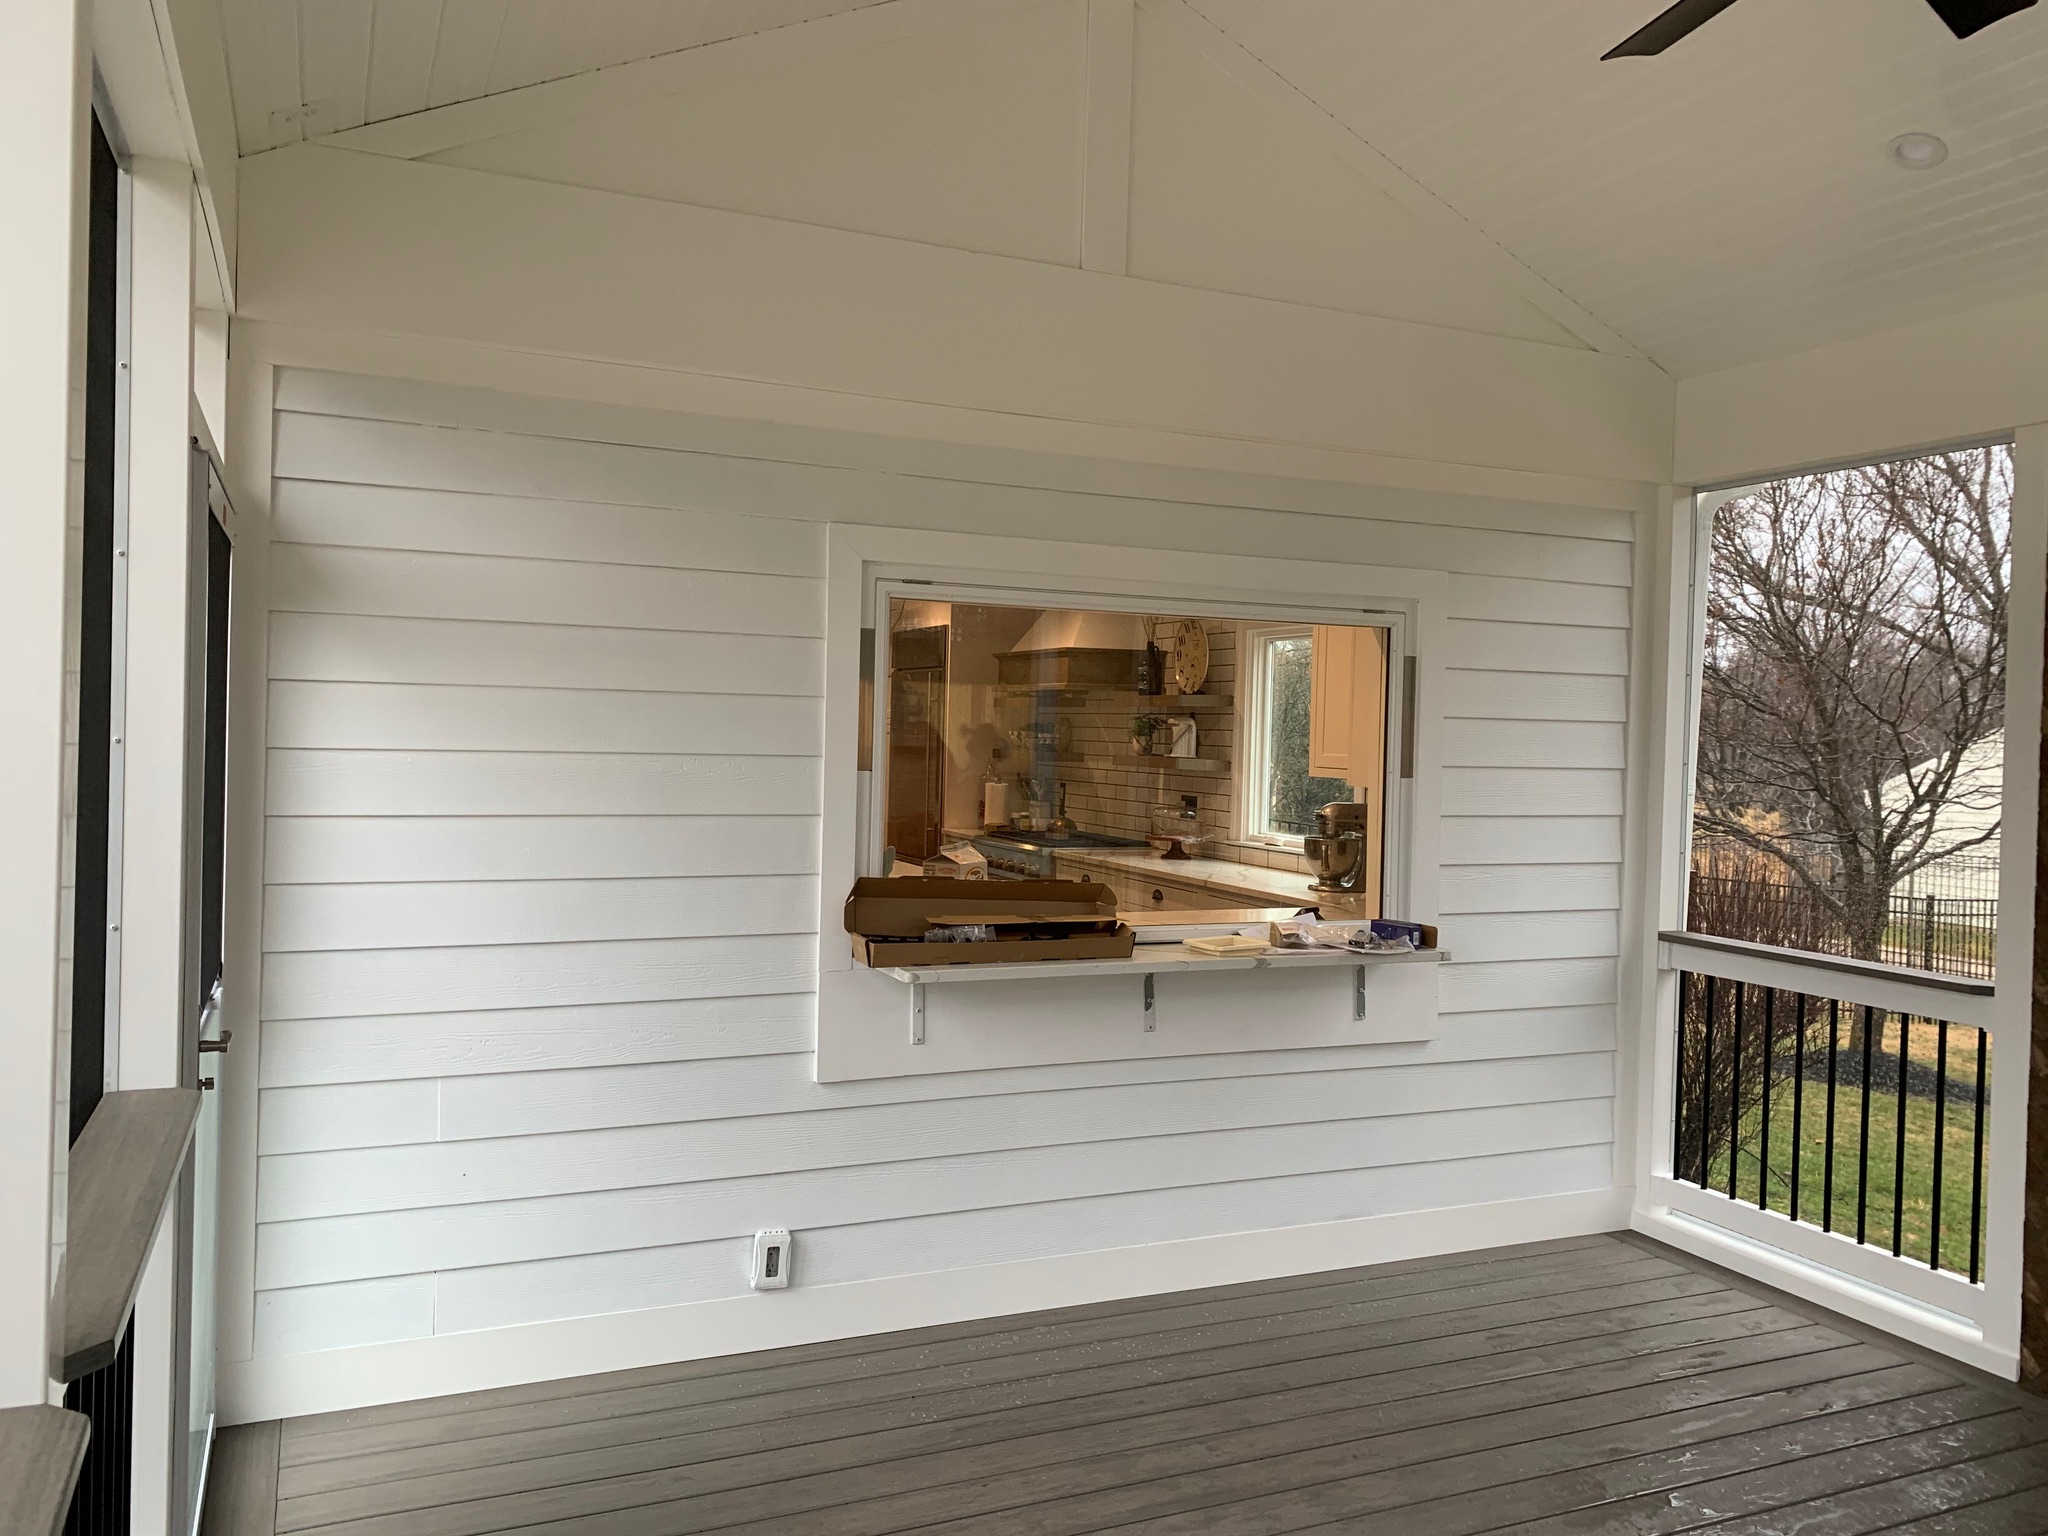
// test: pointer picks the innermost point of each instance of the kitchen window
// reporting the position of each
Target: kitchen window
(1055, 741)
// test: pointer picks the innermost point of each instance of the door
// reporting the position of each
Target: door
(206, 1042)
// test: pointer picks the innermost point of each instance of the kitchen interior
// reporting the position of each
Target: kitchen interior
(1189, 763)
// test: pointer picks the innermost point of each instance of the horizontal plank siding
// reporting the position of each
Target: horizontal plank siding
(542, 807)
(755, 1052)
(450, 1237)
(351, 648)
(360, 782)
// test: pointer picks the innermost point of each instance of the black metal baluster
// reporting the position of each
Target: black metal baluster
(1735, 1093)
(1679, 1077)
(1798, 1107)
(1706, 1081)
(1940, 1135)
(1827, 1167)
(1863, 1136)
(1899, 1138)
(1977, 1153)
(1763, 1150)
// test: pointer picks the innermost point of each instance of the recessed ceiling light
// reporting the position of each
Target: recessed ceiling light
(1917, 151)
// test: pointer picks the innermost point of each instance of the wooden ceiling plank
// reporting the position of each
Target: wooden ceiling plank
(555, 101)
(402, 38)
(464, 49)
(1255, 76)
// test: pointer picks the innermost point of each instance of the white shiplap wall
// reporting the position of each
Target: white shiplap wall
(540, 891)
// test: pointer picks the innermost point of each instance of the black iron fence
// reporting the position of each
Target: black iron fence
(1951, 935)
(1859, 1120)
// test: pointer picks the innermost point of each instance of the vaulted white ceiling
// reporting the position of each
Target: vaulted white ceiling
(1726, 201)
(301, 69)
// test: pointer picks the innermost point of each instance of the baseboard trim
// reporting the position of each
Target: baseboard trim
(1944, 1332)
(286, 1386)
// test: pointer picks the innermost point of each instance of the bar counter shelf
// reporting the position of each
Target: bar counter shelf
(1153, 959)
(944, 932)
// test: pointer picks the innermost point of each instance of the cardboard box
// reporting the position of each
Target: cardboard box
(957, 861)
(1034, 920)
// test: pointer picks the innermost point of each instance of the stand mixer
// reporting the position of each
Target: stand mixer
(1337, 849)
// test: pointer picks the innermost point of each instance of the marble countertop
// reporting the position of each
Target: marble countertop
(1223, 876)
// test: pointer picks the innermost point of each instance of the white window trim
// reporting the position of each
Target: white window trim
(862, 560)
(1671, 573)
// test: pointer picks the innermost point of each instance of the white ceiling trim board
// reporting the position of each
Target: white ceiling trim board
(1253, 74)
(601, 90)
(1106, 185)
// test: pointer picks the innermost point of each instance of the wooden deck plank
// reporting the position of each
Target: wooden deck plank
(311, 1428)
(2024, 1513)
(1587, 1498)
(1056, 1375)
(241, 1482)
(1086, 1493)
(826, 1473)
(806, 1387)
(1882, 1505)
(1593, 1385)
(1796, 1481)
(974, 1415)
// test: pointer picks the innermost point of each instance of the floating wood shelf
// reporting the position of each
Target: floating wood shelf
(123, 1168)
(1151, 703)
(41, 1450)
(1170, 764)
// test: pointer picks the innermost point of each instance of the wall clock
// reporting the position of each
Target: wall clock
(1190, 656)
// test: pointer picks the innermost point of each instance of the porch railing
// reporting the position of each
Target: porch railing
(1835, 1094)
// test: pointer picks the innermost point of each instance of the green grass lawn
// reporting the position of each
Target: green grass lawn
(1772, 1186)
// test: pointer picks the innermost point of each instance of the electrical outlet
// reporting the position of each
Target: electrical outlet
(772, 1253)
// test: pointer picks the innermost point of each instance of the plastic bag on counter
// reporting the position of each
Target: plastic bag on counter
(1361, 935)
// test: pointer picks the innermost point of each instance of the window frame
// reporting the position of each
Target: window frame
(859, 1015)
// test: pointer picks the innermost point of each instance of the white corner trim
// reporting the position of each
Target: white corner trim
(1260, 79)
(1930, 1327)
(284, 1386)
(419, 134)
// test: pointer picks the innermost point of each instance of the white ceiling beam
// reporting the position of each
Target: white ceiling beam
(1253, 74)
(1106, 138)
(603, 90)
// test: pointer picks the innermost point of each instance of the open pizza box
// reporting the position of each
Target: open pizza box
(893, 921)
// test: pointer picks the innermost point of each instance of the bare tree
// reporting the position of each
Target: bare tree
(1855, 653)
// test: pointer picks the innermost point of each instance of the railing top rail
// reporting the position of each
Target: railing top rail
(1841, 965)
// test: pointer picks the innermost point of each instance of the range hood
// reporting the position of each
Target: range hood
(1080, 629)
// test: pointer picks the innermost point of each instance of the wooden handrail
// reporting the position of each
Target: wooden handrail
(124, 1166)
(41, 1450)
(1869, 970)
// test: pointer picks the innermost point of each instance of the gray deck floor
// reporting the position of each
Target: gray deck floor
(1594, 1384)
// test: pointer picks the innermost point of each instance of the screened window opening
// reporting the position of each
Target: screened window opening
(1847, 798)
(1848, 760)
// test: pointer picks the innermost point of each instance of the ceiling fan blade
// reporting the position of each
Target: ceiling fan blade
(1965, 17)
(1683, 18)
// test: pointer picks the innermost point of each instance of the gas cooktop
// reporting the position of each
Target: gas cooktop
(1074, 839)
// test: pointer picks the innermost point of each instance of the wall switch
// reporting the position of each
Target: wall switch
(771, 1260)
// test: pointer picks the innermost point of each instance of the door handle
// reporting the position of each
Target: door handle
(207, 1047)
